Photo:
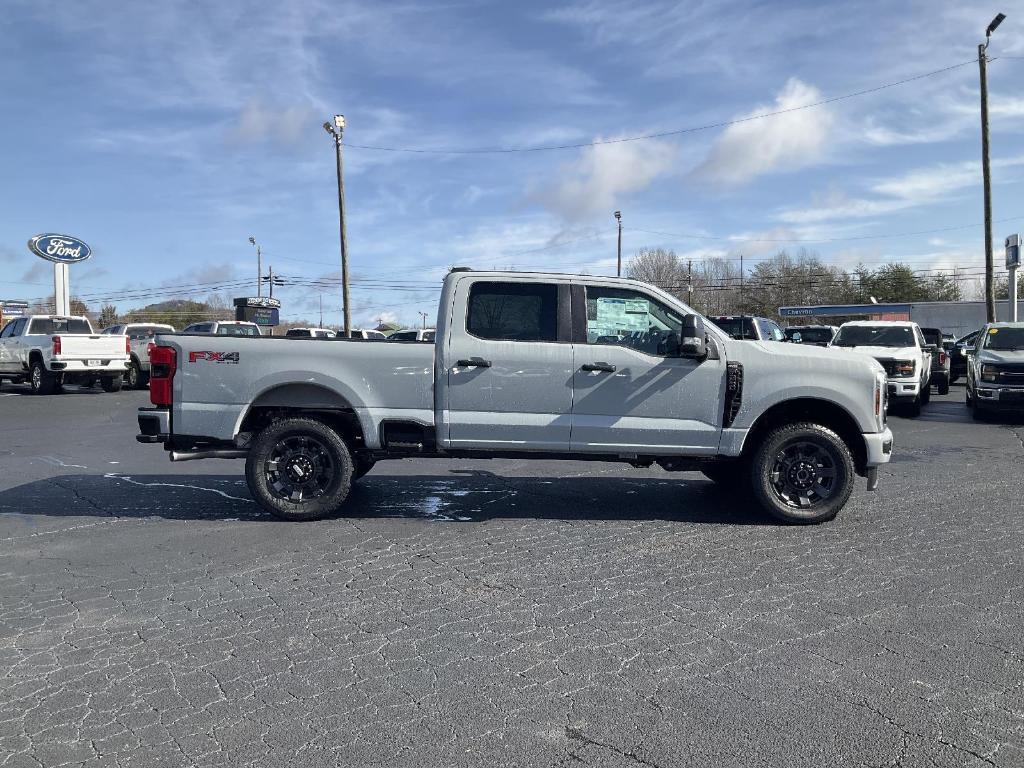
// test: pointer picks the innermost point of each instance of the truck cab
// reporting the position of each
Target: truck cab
(995, 370)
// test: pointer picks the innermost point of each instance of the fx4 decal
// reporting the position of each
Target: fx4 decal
(213, 357)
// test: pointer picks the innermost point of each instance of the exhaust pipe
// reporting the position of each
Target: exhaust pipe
(212, 453)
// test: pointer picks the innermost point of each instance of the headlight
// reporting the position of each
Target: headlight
(989, 372)
(904, 367)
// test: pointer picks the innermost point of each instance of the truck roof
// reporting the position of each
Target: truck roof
(899, 323)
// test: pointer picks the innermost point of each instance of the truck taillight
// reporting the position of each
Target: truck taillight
(163, 361)
(56, 345)
(127, 346)
(942, 358)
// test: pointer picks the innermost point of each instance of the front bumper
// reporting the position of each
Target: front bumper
(1002, 398)
(902, 388)
(878, 451)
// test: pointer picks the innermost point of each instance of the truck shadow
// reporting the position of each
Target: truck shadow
(458, 496)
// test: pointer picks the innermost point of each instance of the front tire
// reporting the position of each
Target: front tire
(914, 409)
(41, 381)
(802, 473)
(299, 469)
(926, 393)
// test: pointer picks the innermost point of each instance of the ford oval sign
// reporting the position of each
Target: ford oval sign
(61, 249)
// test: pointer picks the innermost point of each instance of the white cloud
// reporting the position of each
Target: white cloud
(285, 124)
(595, 182)
(781, 143)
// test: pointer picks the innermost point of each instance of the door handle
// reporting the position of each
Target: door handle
(606, 367)
(473, 362)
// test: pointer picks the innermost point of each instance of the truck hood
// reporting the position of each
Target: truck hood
(1007, 357)
(885, 353)
(805, 352)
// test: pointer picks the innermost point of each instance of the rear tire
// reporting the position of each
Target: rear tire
(111, 383)
(802, 473)
(40, 380)
(135, 378)
(299, 469)
(944, 386)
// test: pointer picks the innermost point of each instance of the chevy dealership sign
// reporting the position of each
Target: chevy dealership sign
(60, 249)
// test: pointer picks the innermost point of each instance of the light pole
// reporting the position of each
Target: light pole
(618, 269)
(259, 267)
(990, 289)
(336, 131)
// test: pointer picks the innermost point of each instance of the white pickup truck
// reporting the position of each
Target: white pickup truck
(140, 336)
(49, 351)
(535, 366)
(900, 347)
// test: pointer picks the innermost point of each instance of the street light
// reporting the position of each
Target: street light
(259, 266)
(990, 289)
(337, 130)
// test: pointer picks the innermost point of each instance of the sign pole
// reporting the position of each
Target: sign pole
(61, 289)
(1012, 262)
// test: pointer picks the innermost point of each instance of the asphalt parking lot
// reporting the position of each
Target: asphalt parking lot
(502, 612)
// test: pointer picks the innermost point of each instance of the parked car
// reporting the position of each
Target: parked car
(995, 370)
(901, 349)
(536, 366)
(750, 328)
(310, 333)
(140, 335)
(224, 328)
(940, 360)
(818, 335)
(958, 355)
(49, 351)
(425, 335)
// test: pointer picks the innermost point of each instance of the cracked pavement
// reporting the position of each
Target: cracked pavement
(502, 612)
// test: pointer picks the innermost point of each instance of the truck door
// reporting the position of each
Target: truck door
(9, 359)
(508, 363)
(629, 394)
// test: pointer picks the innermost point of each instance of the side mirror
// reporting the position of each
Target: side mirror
(693, 343)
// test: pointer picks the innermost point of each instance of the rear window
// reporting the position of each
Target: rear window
(298, 332)
(237, 330)
(737, 327)
(47, 326)
(932, 336)
(148, 330)
(810, 335)
(513, 311)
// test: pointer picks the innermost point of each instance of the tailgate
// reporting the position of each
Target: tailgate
(100, 347)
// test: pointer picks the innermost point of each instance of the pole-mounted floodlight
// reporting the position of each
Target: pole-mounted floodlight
(995, 24)
(618, 215)
(252, 240)
(339, 120)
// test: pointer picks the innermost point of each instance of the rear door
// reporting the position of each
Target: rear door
(508, 364)
(9, 359)
(629, 395)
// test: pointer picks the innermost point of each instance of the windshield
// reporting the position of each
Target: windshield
(810, 335)
(875, 336)
(737, 327)
(932, 336)
(48, 326)
(1005, 339)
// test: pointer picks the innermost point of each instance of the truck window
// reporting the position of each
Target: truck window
(237, 330)
(630, 319)
(48, 326)
(8, 329)
(513, 311)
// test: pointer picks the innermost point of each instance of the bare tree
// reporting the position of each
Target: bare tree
(658, 267)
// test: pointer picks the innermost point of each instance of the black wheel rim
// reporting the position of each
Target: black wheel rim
(805, 474)
(133, 376)
(300, 468)
(37, 377)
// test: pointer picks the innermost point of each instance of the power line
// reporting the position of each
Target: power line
(661, 134)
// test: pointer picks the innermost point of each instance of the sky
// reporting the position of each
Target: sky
(165, 135)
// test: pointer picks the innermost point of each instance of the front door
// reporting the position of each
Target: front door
(509, 363)
(629, 395)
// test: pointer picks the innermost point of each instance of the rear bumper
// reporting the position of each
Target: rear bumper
(154, 425)
(107, 366)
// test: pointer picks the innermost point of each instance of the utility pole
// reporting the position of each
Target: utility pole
(618, 270)
(259, 266)
(339, 124)
(990, 289)
(321, 311)
(1012, 263)
(424, 316)
(689, 282)
(270, 279)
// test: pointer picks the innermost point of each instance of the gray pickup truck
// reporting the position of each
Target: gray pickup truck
(529, 366)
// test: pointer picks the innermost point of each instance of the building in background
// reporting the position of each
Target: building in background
(956, 317)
